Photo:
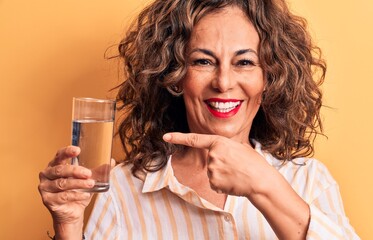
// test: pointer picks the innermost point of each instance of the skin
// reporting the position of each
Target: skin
(223, 64)
(66, 206)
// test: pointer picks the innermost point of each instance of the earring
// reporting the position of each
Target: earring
(175, 90)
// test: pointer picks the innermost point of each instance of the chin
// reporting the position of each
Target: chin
(230, 133)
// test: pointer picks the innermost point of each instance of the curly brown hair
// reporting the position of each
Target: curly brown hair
(154, 58)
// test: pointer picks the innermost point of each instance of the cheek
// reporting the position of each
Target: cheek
(192, 91)
(194, 83)
(255, 87)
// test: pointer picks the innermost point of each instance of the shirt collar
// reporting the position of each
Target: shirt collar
(164, 178)
(155, 181)
(276, 163)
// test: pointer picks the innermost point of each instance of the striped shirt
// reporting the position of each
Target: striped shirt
(157, 206)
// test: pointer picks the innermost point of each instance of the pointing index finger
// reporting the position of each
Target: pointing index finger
(194, 140)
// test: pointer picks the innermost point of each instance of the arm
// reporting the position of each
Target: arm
(328, 219)
(286, 212)
(237, 169)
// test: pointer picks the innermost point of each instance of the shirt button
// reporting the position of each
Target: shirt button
(227, 218)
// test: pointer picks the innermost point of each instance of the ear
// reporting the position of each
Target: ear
(175, 90)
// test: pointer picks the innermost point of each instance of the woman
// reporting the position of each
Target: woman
(231, 87)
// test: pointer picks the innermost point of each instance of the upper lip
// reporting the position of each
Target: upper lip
(222, 100)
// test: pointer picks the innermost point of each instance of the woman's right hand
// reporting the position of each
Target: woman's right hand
(57, 187)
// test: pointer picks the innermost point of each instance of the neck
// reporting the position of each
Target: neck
(191, 157)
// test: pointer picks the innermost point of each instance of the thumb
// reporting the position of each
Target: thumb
(113, 163)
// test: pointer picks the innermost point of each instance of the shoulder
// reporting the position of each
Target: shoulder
(122, 180)
(120, 169)
(310, 167)
(123, 173)
(315, 170)
(309, 177)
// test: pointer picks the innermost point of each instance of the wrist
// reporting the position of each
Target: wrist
(266, 181)
(286, 212)
(272, 185)
(68, 231)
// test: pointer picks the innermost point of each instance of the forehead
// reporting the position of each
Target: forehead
(228, 26)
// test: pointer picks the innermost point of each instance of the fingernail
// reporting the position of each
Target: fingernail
(73, 150)
(113, 162)
(167, 137)
(91, 183)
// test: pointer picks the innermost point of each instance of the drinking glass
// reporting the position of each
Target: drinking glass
(92, 131)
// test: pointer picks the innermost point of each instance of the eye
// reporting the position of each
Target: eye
(202, 62)
(246, 62)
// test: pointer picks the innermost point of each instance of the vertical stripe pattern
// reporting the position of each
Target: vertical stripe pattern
(159, 207)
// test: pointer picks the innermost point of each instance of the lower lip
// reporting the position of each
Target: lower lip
(223, 114)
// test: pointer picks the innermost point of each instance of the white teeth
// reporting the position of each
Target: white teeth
(224, 106)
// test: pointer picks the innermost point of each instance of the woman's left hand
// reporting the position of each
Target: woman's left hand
(233, 168)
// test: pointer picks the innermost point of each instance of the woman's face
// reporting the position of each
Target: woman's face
(224, 83)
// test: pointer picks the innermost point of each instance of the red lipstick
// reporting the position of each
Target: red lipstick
(223, 108)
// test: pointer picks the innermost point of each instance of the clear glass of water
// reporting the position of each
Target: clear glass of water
(92, 131)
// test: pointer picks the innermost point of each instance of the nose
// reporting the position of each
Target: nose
(224, 79)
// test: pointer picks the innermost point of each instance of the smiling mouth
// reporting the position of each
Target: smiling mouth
(223, 108)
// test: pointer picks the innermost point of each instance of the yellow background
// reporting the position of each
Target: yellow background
(51, 51)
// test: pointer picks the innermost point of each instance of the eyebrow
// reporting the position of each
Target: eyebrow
(210, 53)
(243, 51)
